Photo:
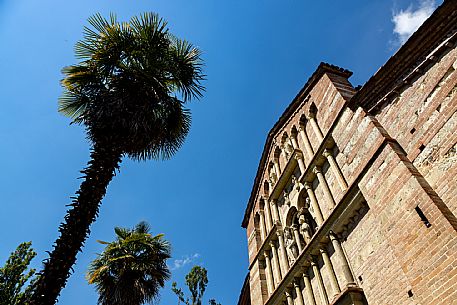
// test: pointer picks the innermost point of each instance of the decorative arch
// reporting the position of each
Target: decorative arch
(257, 230)
(312, 109)
(294, 131)
(279, 158)
(291, 216)
(284, 137)
(301, 201)
(303, 120)
(257, 221)
(277, 152)
(262, 203)
(272, 176)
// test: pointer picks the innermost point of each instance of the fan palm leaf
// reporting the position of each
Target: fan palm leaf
(131, 269)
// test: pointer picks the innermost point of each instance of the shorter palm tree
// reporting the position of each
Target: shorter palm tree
(131, 269)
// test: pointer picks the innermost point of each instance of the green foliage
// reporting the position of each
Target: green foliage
(179, 293)
(14, 275)
(196, 281)
(126, 84)
(131, 269)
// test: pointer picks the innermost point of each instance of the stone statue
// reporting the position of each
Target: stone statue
(308, 206)
(296, 183)
(288, 237)
(286, 198)
(294, 250)
(291, 247)
(305, 228)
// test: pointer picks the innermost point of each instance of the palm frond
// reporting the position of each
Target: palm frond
(127, 84)
(131, 269)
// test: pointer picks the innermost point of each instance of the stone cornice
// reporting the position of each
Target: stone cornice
(322, 69)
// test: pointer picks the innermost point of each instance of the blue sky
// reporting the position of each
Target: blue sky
(258, 54)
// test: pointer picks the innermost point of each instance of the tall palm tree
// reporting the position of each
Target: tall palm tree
(129, 91)
(131, 269)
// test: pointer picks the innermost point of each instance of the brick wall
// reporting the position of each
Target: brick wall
(402, 156)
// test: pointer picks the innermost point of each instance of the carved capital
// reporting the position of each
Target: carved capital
(265, 254)
(272, 245)
(261, 212)
(332, 235)
(273, 202)
(296, 283)
(298, 156)
(327, 153)
(308, 185)
(317, 170)
(313, 260)
(306, 265)
(311, 115)
(293, 134)
(294, 179)
(322, 248)
(279, 233)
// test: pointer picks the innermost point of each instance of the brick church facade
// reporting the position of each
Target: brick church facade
(355, 196)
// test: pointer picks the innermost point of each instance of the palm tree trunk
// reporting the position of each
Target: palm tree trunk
(76, 226)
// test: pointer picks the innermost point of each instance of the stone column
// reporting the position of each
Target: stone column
(297, 237)
(271, 186)
(268, 220)
(276, 166)
(317, 170)
(344, 263)
(290, 300)
(320, 282)
(314, 204)
(308, 288)
(330, 270)
(274, 207)
(282, 249)
(276, 266)
(316, 129)
(336, 170)
(308, 147)
(298, 157)
(293, 139)
(269, 273)
(301, 163)
(263, 228)
(298, 292)
(284, 153)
